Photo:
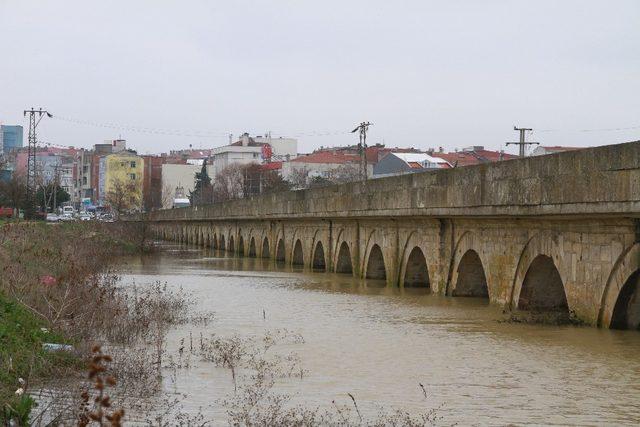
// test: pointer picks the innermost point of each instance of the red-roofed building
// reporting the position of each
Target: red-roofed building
(374, 153)
(272, 166)
(473, 156)
(329, 157)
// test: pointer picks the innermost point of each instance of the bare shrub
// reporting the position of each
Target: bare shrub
(96, 406)
(255, 402)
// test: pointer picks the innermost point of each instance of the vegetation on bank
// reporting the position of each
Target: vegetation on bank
(22, 356)
(54, 289)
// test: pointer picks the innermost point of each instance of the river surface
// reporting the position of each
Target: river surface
(379, 344)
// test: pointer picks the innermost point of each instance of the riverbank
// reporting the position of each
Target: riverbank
(55, 288)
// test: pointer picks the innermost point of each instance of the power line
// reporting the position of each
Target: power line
(142, 129)
(188, 133)
(618, 129)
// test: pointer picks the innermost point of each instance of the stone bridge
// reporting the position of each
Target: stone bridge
(557, 233)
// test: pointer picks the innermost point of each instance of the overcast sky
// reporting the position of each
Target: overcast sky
(426, 73)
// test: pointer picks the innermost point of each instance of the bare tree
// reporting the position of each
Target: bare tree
(273, 182)
(13, 191)
(299, 178)
(229, 183)
(347, 172)
(124, 194)
(167, 197)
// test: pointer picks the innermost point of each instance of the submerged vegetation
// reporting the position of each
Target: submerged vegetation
(62, 313)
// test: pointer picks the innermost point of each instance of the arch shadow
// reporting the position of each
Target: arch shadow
(344, 263)
(375, 264)
(319, 262)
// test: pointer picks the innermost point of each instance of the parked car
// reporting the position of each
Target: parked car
(84, 217)
(67, 217)
(6, 212)
(106, 218)
(51, 217)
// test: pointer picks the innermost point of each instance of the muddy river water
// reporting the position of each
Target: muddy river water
(379, 344)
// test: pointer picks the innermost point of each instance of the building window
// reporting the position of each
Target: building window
(133, 165)
(132, 176)
(84, 180)
(255, 155)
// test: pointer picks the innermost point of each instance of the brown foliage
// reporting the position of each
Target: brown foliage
(124, 195)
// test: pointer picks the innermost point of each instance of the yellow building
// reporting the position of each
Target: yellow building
(120, 180)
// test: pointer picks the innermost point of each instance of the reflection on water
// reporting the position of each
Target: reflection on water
(378, 343)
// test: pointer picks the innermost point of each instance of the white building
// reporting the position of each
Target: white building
(254, 150)
(178, 180)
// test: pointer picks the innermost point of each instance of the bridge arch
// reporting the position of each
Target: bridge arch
(240, 244)
(265, 248)
(252, 247)
(344, 263)
(319, 262)
(542, 288)
(620, 306)
(416, 271)
(537, 269)
(468, 277)
(415, 265)
(297, 256)
(376, 268)
(232, 247)
(626, 313)
(471, 278)
(280, 251)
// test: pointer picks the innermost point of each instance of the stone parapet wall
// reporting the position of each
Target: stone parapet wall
(590, 182)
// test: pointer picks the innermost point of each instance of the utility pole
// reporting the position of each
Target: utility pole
(522, 142)
(30, 207)
(362, 147)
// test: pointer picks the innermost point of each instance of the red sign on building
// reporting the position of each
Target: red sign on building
(267, 152)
